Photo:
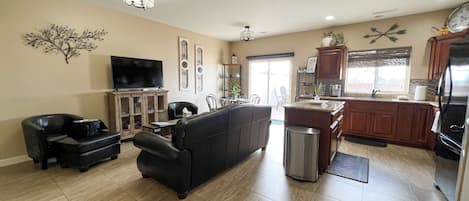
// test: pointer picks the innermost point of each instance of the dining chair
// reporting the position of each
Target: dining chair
(254, 99)
(212, 102)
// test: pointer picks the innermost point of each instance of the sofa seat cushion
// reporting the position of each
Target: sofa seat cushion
(81, 145)
(55, 137)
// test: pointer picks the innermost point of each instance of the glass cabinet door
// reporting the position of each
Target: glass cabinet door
(151, 109)
(137, 119)
(137, 105)
(124, 114)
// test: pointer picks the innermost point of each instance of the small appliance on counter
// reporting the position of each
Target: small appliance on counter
(336, 90)
(420, 93)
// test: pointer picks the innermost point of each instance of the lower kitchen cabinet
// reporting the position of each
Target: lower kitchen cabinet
(358, 121)
(414, 125)
(400, 123)
(383, 124)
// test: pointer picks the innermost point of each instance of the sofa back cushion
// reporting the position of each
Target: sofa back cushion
(218, 140)
(55, 123)
(248, 131)
(205, 136)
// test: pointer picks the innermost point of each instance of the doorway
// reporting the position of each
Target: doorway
(270, 79)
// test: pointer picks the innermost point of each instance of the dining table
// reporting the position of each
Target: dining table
(232, 100)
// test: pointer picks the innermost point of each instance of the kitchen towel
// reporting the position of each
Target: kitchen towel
(436, 122)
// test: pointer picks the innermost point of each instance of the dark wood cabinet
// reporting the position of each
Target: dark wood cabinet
(358, 122)
(404, 122)
(331, 62)
(330, 125)
(439, 52)
(383, 124)
(366, 118)
(422, 114)
(401, 123)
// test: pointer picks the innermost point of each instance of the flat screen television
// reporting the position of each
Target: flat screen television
(130, 73)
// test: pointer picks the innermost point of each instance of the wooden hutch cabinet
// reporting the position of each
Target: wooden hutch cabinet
(130, 110)
(331, 62)
(439, 52)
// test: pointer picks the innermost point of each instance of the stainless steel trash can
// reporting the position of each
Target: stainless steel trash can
(300, 153)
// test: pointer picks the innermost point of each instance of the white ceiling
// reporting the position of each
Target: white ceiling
(224, 19)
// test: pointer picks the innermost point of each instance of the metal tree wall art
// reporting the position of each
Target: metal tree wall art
(62, 39)
(388, 34)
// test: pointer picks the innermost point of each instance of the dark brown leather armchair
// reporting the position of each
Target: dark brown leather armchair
(175, 109)
(203, 146)
(40, 132)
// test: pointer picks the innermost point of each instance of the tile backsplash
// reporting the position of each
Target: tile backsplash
(431, 87)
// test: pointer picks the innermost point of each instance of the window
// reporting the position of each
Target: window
(383, 69)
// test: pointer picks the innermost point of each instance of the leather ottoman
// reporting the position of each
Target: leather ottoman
(81, 153)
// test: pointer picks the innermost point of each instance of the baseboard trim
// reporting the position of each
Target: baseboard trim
(13, 160)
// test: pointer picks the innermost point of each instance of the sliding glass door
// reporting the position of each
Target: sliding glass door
(270, 79)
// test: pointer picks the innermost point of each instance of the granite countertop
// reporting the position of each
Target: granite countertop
(391, 100)
(326, 106)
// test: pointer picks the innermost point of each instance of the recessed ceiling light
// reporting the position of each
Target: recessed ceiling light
(329, 17)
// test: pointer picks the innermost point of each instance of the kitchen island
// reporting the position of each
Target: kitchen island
(327, 117)
(403, 122)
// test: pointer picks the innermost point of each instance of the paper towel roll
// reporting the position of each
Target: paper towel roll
(420, 93)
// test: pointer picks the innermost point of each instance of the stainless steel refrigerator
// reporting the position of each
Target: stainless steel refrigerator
(453, 92)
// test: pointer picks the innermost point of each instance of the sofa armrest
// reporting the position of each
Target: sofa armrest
(156, 145)
(35, 140)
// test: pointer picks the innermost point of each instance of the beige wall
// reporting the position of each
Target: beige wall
(32, 82)
(304, 44)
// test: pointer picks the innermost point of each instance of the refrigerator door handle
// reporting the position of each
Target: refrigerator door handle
(444, 140)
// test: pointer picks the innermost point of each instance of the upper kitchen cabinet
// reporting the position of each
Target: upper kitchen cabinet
(439, 52)
(331, 62)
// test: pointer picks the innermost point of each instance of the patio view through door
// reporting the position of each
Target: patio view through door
(270, 79)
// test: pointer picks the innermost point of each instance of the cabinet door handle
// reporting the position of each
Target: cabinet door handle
(340, 118)
(334, 124)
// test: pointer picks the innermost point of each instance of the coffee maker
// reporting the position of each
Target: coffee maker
(336, 90)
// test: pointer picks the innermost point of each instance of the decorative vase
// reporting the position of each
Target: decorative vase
(317, 98)
(326, 41)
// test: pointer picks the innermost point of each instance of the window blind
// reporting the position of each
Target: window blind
(379, 57)
(271, 56)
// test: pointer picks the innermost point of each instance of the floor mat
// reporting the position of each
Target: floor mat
(350, 167)
(365, 141)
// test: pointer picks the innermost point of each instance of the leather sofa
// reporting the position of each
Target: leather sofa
(41, 132)
(175, 109)
(203, 146)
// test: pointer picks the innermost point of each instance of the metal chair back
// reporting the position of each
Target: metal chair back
(212, 102)
(255, 99)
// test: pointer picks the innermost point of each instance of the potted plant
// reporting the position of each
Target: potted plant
(317, 91)
(234, 89)
(333, 39)
(339, 38)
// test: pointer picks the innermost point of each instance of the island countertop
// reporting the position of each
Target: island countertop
(326, 106)
(379, 99)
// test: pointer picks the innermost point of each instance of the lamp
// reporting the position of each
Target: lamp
(247, 34)
(143, 4)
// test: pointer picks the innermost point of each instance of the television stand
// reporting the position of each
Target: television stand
(130, 110)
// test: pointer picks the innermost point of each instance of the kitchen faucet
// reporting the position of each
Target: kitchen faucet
(373, 92)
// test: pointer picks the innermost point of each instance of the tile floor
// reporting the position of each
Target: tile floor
(396, 174)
